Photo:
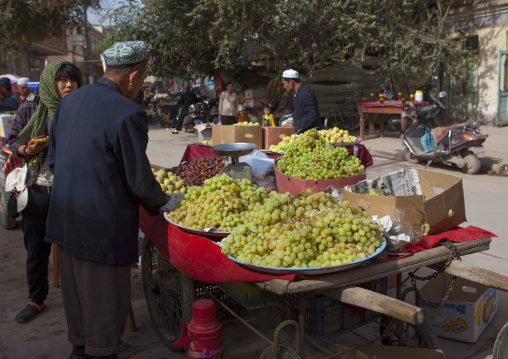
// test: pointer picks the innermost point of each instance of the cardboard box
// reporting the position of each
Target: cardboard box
(260, 93)
(466, 313)
(385, 352)
(440, 193)
(273, 135)
(249, 295)
(204, 132)
(6, 122)
(256, 102)
(295, 185)
(234, 134)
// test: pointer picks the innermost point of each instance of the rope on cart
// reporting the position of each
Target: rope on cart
(454, 255)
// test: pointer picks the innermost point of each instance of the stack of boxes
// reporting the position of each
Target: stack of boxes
(256, 97)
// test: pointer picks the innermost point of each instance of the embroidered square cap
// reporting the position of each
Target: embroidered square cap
(125, 54)
(291, 74)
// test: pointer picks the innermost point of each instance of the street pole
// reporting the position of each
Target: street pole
(88, 57)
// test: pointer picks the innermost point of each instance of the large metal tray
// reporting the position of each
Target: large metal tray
(309, 271)
(199, 232)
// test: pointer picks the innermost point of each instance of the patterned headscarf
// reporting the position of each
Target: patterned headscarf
(49, 99)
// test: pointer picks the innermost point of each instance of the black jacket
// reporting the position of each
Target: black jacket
(306, 110)
(98, 140)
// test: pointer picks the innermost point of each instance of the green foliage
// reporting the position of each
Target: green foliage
(195, 37)
(23, 22)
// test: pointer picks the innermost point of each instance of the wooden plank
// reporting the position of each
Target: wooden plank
(377, 302)
(376, 271)
(478, 275)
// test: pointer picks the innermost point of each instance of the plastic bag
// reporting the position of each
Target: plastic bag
(262, 169)
(428, 143)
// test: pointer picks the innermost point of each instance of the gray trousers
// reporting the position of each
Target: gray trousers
(96, 299)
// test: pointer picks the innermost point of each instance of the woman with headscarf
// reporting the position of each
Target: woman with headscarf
(29, 140)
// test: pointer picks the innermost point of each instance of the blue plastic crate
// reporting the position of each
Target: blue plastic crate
(325, 316)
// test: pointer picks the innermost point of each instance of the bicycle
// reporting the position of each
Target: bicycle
(345, 120)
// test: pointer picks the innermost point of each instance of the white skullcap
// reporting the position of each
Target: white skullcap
(290, 74)
(23, 81)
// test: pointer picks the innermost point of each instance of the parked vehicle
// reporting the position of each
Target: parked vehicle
(202, 112)
(458, 145)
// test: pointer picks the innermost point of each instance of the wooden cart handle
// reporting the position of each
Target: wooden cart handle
(378, 302)
(478, 275)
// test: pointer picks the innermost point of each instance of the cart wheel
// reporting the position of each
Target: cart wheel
(398, 333)
(282, 353)
(169, 295)
(501, 344)
(7, 221)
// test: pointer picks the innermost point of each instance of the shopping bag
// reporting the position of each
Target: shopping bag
(11, 161)
(428, 143)
(15, 183)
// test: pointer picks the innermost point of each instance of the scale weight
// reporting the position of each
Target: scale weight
(237, 170)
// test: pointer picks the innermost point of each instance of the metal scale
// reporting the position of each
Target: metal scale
(237, 169)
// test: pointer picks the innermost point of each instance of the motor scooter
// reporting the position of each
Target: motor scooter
(458, 145)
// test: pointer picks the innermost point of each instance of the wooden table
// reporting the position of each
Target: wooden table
(388, 107)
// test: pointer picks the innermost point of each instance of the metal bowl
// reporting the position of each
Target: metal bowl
(234, 149)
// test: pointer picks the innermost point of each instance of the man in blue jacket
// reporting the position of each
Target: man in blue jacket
(98, 140)
(305, 107)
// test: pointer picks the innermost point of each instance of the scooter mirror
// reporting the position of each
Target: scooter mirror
(442, 94)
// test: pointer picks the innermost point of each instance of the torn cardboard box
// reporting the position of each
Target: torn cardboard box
(414, 195)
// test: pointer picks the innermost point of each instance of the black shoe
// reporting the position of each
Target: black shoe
(30, 312)
(78, 352)
(175, 132)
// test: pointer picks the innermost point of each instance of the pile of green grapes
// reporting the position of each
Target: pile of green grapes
(305, 231)
(311, 157)
(222, 203)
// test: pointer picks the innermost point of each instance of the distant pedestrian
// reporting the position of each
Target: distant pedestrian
(188, 98)
(24, 91)
(228, 105)
(8, 101)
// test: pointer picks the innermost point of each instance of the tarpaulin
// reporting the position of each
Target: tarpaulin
(458, 234)
(197, 151)
(201, 259)
(198, 257)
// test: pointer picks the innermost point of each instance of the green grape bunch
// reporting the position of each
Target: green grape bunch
(222, 203)
(304, 231)
(311, 157)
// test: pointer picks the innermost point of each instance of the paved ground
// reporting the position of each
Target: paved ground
(45, 337)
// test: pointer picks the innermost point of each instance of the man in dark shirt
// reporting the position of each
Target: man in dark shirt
(305, 108)
(95, 202)
(9, 101)
(187, 99)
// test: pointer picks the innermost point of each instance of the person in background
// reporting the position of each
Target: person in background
(267, 118)
(25, 93)
(33, 119)
(228, 105)
(188, 98)
(285, 106)
(305, 108)
(94, 209)
(8, 101)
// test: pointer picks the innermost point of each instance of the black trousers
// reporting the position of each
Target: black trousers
(34, 231)
(179, 119)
